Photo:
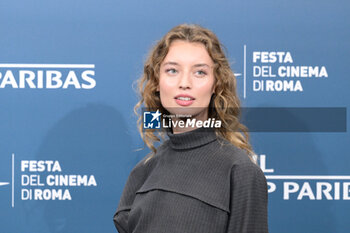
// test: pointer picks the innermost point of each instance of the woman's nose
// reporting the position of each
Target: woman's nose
(185, 81)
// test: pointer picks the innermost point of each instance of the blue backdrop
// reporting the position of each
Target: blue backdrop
(66, 74)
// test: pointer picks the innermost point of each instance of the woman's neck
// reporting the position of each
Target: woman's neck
(177, 128)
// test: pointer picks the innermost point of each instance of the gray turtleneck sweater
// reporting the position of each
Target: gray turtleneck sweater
(196, 183)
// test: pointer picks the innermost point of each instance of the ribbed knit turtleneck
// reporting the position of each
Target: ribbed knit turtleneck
(194, 183)
(191, 139)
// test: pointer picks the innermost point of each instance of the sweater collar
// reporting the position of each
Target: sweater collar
(191, 139)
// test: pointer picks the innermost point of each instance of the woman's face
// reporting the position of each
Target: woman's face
(186, 81)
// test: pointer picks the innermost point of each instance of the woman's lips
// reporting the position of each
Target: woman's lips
(184, 100)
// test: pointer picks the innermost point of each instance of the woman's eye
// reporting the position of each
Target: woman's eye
(201, 73)
(170, 71)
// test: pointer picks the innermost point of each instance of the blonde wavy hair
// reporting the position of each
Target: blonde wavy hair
(225, 103)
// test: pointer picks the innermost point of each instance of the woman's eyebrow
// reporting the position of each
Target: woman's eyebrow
(177, 64)
(170, 63)
(200, 65)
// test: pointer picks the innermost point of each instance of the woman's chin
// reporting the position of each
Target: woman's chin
(183, 111)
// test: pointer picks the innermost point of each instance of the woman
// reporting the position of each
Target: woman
(200, 179)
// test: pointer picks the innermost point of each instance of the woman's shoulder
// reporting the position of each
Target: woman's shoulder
(233, 154)
(137, 176)
(241, 164)
(148, 161)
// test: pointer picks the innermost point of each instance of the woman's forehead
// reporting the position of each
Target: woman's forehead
(183, 52)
